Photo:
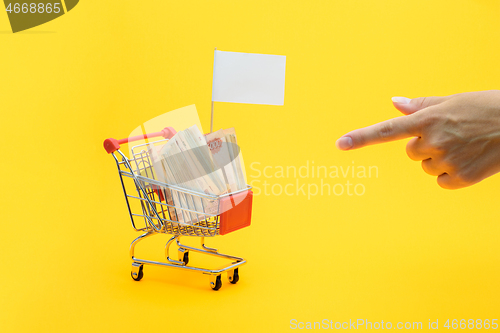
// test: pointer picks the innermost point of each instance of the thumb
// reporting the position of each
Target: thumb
(408, 106)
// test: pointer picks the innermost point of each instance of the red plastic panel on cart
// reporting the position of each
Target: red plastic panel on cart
(159, 192)
(237, 212)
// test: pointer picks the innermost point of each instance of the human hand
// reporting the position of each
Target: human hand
(456, 137)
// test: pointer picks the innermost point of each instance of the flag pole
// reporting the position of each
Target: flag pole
(212, 117)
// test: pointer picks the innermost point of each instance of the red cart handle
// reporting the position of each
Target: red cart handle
(111, 145)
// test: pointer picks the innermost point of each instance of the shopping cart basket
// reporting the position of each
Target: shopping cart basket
(152, 210)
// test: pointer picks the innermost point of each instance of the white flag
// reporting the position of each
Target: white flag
(249, 78)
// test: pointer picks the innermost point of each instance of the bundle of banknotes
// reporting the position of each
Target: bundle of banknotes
(208, 164)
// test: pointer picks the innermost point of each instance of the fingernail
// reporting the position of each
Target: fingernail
(401, 100)
(344, 143)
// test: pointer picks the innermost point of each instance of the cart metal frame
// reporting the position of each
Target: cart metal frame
(146, 199)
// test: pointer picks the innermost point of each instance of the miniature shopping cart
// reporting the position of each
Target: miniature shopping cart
(152, 212)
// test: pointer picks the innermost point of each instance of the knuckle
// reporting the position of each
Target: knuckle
(437, 146)
(412, 154)
(410, 149)
(427, 119)
(444, 184)
(422, 102)
(430, 168)
(426, 167)
(419, 102)
(386, 130)
(448, 182)
(417, 150)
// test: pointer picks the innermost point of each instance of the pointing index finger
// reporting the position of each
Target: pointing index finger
(389, 130)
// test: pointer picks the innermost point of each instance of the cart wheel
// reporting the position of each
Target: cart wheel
(185, 258)
(236, 277)
(217, 284)
(184, 255)
(139, 275)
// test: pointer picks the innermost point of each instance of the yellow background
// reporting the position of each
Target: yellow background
(404, 251)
